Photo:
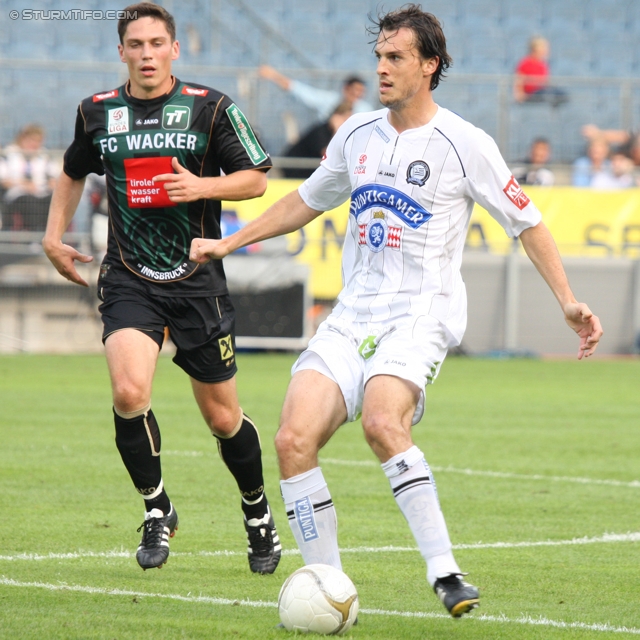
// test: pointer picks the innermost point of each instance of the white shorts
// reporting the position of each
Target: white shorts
(411, 348)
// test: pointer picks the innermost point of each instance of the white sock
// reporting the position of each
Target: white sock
(312, 517)
(415, 492)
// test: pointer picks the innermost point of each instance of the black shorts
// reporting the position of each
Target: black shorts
(201, 328)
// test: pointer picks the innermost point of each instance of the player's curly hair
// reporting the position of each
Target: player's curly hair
(146, 10)
(430, 40)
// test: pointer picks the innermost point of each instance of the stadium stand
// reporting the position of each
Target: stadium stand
(224, 43)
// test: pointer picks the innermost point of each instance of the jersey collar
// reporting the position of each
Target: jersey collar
(152, 101)
(389, 128)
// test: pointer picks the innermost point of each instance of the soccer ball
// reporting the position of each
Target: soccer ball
(318, 598)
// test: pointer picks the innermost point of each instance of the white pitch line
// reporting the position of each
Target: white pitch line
(607, 538)
(559, 624)
(123, 592)
(184, 454)
(501, 619)
(634, 484)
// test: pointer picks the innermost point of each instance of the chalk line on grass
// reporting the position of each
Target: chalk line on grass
(607, 538)
(500, 619)
(634, 484)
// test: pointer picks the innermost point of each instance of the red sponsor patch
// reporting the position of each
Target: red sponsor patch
(394, 236)
(142, 192)
(191, 91)
(516, 194)
(363, 158)
(103, 96)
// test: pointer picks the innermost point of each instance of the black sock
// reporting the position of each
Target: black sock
(138, 440)
(243, 457)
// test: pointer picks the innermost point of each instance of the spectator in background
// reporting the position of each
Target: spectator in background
(619, 176)
(322, 101)
(27, 176)
(628, 142)
(314, 141)
(596, 162)
(534, 170)
(532, 76)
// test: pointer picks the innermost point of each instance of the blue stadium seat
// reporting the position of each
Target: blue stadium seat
(571, 55)
(482, 52)
(524, 17)
(590, 38)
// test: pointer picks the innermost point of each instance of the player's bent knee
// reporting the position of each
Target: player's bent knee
(375, 426)
(224, 422)
(379, 432)
(128, 397)
(288, 443)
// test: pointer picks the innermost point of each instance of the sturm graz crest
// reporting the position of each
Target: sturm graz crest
(376, 234)
(418, 173)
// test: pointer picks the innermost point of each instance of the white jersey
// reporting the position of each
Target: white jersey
(412, 195)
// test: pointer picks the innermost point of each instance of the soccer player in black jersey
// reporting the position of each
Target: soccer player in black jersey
(164, 145)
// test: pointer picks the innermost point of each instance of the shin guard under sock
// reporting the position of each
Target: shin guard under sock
(242, 454)
(138, 440)
(414, 490)
(312, 517)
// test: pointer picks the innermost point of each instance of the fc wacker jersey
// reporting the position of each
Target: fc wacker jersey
(132, 141)
(412, 195)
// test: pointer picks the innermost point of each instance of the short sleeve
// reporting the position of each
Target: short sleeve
(235, 143)
(329, 185)
(82, 157)
(489, 182)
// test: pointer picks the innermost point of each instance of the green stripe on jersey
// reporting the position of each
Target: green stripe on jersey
(245, 135)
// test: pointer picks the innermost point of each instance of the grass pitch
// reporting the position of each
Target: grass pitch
(537, 470)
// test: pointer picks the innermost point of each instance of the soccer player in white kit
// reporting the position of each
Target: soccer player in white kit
(413, 171)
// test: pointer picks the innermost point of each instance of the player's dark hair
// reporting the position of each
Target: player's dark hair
(146, 10)
(430, 40)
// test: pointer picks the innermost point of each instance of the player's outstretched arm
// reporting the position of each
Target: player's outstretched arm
(184, 186)
(64, 202)
(543, 252)
(286, 215)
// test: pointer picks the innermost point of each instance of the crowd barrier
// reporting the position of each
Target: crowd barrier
(511, 310)
(584, 222)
